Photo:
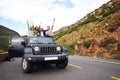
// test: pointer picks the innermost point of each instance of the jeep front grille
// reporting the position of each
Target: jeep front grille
(47, 50)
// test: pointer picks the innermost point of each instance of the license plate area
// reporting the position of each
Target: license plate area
(50, 58)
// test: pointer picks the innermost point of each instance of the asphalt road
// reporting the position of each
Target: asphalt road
(79, 68)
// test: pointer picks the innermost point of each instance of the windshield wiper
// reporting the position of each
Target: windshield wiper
(39, 43)
(50, 43)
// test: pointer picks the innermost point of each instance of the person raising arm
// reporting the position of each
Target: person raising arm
(49, 30)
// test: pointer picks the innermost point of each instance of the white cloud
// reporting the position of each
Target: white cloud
(43, 11)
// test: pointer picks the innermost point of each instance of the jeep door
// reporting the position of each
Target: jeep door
(15, 48)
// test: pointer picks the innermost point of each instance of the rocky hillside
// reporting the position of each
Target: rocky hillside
(5, 33)
(101, 27)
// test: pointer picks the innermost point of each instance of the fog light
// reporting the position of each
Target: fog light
(29, 58)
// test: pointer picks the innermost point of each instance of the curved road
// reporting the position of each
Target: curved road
(79, 68)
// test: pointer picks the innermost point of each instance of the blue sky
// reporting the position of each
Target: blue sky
(12, 24)
(15, 13)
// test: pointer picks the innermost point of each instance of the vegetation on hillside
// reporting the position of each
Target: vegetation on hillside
(70, 48)
(5, 33)
(100, 26)
(99, 14)
(4, 43)
(107, 40)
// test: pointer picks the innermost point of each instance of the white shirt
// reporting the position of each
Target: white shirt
(41, 34)
(30, 32)
(49, 32)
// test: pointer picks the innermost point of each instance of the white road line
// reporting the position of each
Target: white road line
(102, 61)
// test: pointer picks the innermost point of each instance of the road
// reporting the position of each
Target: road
(79, 68)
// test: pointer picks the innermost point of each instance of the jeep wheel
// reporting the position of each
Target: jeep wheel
(7, 58)
(26, 66)
(62, 64)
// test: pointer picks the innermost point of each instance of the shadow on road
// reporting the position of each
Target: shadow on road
(46, 68)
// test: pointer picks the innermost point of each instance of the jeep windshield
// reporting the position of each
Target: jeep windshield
(41, 40)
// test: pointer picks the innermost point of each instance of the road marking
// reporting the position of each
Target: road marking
(115, 78)
(101, 61)
(75, 66)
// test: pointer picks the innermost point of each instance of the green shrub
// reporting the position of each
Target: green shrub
(112, 10)
(87, 43)
(109, 40)
(4, 43)
(101, 19)
(64, 40)
(62, 33)
(107, 11)
(89, 20)
(70, 48)
(101, 13)
(104, 6)
(73, 28)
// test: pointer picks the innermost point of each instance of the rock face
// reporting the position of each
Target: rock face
(106, 42)
(96, 50)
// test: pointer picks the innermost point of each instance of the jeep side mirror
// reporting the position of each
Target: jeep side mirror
(23, 43)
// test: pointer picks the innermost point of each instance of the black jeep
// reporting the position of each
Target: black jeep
(43, 50)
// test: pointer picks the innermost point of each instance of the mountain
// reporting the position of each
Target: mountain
(5, 33)
(98, 31)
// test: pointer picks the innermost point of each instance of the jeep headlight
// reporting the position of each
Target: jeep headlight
(58, 48)
(36, 49)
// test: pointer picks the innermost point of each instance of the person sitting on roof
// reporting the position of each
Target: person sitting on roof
(42, 32)
(36, 31)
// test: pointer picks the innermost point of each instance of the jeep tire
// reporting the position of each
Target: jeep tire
(62, 64)
(26, 66)
(7, 58)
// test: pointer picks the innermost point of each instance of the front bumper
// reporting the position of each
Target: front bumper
(45, 58)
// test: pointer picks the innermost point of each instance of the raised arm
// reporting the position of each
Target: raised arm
(53, 24)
